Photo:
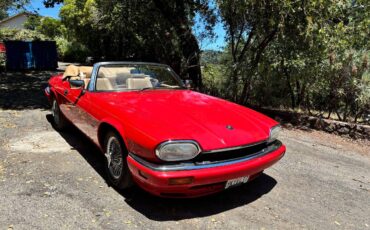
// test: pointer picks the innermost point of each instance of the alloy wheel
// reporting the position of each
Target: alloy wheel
(114, 157)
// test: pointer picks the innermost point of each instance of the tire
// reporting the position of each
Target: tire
(116, 164)
(60, 123)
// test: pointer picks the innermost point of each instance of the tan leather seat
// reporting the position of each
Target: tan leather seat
(74, 72)
(85, 71)
(103, 84)
(139, 83)
(71, 71)
(77, 71)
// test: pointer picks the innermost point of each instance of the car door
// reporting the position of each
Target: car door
(65, 98)
(69, 96)
(83, 115)
(76, 106)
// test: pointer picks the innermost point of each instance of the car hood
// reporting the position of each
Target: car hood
(187, 115)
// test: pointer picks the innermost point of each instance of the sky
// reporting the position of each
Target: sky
(38, 6)
(217, 43)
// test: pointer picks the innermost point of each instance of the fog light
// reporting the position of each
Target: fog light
(180, 180)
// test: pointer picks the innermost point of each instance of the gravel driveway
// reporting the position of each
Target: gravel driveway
(51, 180)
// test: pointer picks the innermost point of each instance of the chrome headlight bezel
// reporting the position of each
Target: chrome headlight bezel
(274, 133)
(168, 144)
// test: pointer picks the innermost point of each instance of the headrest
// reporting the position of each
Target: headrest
(71, 71)
(77, 71)
(86, 70)
(138, 83)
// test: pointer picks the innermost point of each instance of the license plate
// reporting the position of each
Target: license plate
(236, 181)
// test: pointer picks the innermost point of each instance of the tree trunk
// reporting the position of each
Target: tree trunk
(298, 93)
(338, 115)
(290, 88)
(175, 14)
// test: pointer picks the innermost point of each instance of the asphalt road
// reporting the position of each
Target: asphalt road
(51, 180)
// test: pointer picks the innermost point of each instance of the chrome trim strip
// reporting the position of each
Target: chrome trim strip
(94, 73)
(194, 166)
(235, 148)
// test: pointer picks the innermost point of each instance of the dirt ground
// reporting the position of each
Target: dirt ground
(52, 180)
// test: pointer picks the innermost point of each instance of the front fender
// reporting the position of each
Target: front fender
(136, 141)
(115, 125)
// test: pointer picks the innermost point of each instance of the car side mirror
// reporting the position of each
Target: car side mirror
(77, 83)
(188, 84)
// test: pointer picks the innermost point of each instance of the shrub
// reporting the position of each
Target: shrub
(22, 35)
(71, 51)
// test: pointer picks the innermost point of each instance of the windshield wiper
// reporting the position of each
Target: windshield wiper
(171, 87)
(162, 87)
(145, 88)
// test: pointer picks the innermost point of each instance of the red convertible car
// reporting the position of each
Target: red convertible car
(157, 133)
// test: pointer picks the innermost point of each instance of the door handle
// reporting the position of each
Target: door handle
(65, 92)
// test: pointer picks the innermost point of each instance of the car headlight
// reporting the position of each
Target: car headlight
(177, 150)
(274, 133)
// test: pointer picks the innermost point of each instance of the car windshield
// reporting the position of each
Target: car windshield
(126, 77)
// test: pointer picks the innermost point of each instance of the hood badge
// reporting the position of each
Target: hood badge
(229, 127)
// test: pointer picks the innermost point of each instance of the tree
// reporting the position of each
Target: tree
(155, 30)
(51, 27)
(177, 13)
(23, 34)
(310, 55)
(48, 26)
(11, 5)
(316, 60)
(3, 14)
(250, 26)
(52, 3)
(33, 21)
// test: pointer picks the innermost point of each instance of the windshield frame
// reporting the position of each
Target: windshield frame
(92, 84)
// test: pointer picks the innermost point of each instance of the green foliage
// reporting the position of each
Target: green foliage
(7, 6)
(21, 35)
(211, 57)
(33, 21)
(155, 30)
(50, 27)
(213, 79)
(3, 14)
(308, 55)
(52, 3)
(71, 51)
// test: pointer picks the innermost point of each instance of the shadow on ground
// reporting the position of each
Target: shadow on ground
(23, 90)
(161, 209)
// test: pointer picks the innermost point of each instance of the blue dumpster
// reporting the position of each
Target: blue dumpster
(38, 55)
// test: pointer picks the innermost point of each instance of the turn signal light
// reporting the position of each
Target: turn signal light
(180, 180)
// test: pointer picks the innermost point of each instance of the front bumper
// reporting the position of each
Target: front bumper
(207, 178)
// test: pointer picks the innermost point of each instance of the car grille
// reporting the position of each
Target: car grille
(209, 157)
